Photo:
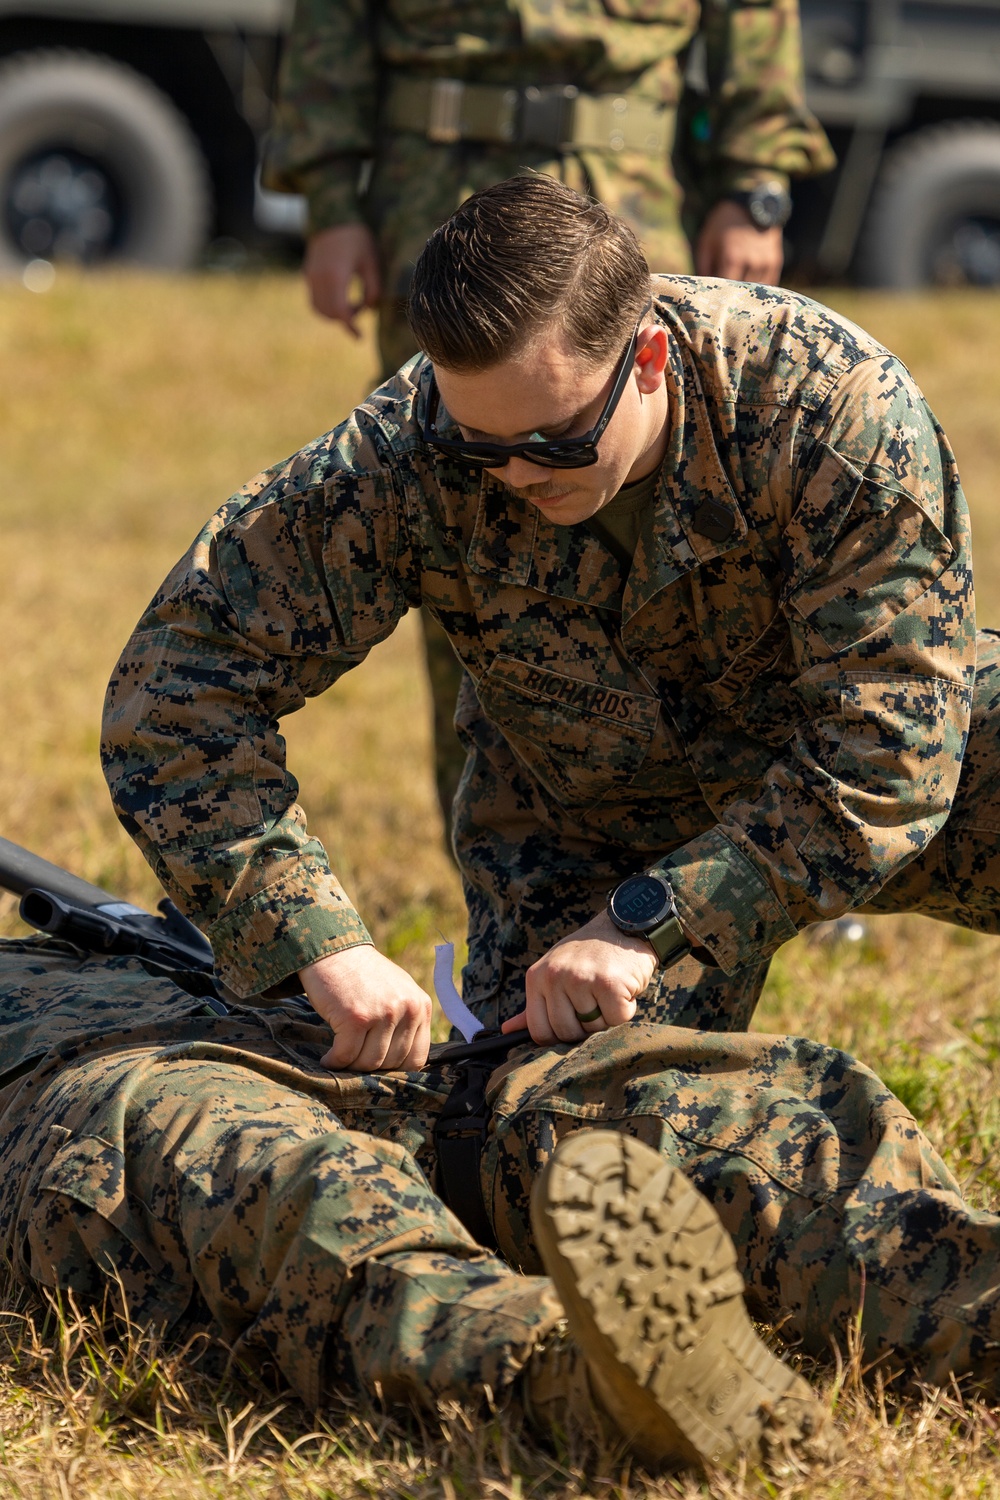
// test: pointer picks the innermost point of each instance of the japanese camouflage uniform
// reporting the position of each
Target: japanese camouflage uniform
(443, 99)
(223, 1178)
(780, 707)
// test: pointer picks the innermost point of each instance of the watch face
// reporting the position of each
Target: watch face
(769, 207)
(640, 902)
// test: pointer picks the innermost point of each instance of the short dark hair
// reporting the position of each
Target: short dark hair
(518, 257)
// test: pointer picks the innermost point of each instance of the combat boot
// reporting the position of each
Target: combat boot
(658, 1341)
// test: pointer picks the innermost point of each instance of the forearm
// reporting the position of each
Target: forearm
(244, 629)
(324, 117)
(212, 809)
(755, 126)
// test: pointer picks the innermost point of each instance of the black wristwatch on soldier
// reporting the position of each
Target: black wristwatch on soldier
(768, 205)
(643, 906)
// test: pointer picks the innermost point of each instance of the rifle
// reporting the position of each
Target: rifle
(54, 901)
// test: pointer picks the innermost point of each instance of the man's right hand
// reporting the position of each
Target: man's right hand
(334, 257)
(379, 1016)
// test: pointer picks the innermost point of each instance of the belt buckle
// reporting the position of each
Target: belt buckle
(444, 126)
(547, 115)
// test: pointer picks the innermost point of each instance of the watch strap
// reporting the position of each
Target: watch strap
(668, 941)
(753, 201)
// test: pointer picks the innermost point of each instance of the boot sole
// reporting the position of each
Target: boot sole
(647, 1276)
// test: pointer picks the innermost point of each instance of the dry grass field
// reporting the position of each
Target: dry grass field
(131, 408)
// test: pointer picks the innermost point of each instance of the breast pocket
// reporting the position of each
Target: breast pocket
(578, 738)
(756, 693)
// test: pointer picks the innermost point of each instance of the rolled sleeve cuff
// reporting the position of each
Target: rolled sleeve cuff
(278, 931)
(724, 902)
(334, 201)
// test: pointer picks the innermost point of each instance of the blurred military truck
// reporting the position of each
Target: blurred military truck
(130, 129)
(909, 93)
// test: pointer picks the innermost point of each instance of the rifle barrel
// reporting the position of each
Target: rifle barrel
(22, 871)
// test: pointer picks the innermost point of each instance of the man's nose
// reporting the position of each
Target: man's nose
(520, 474)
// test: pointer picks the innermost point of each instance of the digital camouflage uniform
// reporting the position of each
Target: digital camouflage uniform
(222, 1176)
(341, 60)
(772, 709)
(344, 57)
(748, 125)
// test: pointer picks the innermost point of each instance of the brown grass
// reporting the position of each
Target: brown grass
(132, 406)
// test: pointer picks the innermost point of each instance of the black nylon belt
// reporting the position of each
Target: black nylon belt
(557, 116)
(460, 1130)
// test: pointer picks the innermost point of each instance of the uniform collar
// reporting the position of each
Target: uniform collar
(695, 518)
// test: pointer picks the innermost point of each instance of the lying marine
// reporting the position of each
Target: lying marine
(704, 555)
(220, 1173)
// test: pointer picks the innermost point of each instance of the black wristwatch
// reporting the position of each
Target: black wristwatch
(768, 205)
(643, 906)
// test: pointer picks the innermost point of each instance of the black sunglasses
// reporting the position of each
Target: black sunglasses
(560, 453)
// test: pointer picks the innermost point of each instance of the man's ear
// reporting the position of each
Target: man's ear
(651, 357)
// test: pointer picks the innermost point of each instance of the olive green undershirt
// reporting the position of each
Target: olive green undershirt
(617, 524)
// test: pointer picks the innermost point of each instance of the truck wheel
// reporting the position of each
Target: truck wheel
(96, 164)
(934, 219)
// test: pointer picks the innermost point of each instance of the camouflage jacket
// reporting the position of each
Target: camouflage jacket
(746, 122)
(771, 708)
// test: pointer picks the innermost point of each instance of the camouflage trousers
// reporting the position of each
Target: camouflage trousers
(208, 1166)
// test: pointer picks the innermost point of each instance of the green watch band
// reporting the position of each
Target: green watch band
(643, 906)
(668, 941)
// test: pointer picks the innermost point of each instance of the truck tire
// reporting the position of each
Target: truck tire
(96, 164)
(934, 218)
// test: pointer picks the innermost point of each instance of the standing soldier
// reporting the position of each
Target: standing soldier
(391, 114)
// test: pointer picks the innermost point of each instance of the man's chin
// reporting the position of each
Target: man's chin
(562, 507)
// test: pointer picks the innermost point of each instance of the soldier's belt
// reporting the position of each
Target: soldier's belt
(557, 116)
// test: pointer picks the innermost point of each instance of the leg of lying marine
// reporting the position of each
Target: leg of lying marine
(834, 1198)
(171, 1170)
(321, 1247)
(194, 1157)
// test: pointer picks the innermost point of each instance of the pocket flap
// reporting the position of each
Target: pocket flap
(91, 1171)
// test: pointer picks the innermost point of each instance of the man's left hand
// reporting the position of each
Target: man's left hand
(731, 245)
(597, 968)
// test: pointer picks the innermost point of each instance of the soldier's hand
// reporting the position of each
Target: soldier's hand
(379, 1015)
(731, 245)
(334, 258)
(596, 968)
